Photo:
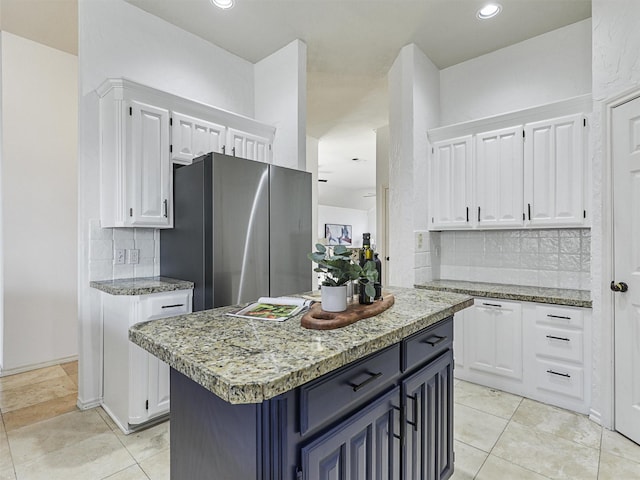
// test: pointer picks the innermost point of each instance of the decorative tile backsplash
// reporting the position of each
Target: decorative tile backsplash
(103, 242)
(559, 258)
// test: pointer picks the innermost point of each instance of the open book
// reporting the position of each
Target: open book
(273, 308)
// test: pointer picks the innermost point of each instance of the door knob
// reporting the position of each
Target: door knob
(619, 287)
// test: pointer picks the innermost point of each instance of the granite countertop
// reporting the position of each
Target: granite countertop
(141, 286)
(555, 296)
(248, 361)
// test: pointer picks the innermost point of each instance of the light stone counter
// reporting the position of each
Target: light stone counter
(141, 286)
(249, 361)
(555, 296)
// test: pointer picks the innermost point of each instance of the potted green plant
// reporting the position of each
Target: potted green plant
(338, 268)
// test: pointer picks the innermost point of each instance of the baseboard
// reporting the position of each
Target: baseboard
(35, 366)
(88, 404)
(595, 416)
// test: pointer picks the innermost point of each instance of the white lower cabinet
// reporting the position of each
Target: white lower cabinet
(535, 350)
(136, 383)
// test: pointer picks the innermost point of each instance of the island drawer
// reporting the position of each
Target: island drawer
(427, 344)
(332, 395)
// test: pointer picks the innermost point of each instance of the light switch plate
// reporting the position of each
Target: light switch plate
(134, 255)
(118, 256)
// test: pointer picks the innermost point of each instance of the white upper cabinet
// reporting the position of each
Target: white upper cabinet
(192, 137)
(135, 171)
(149, 175)
(450, 197)
(144, 131)
(555, 172)
(498, 178)
(524, 169)
(246, 145)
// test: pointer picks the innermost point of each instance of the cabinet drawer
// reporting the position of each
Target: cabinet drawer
(427, 344)
(560, 379)
(561, 317)
(559, 343)
(161, 305)
(331, 396)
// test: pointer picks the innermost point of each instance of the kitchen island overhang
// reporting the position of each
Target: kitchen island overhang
(241, 382)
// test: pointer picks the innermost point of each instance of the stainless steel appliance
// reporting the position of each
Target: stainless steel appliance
(242, 230)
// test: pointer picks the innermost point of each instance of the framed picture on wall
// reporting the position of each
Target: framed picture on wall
(337, 234)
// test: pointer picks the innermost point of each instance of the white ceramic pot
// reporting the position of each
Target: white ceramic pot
(334, 299)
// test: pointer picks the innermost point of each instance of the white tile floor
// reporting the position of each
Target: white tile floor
(497, 436)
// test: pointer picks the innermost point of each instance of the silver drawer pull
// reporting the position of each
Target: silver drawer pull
(434, 340)
(559, 374)
(558, 316)
(492, 305)
(366, 382)
(173, 306)
(559, 338)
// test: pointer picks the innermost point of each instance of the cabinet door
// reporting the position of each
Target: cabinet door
(245, 145)
(159, 392)
(493, 330)
(363, 447)
(192, 137)
(450, 198)
(555, 172)
(499, 178)
(149, 167)
(427, 398)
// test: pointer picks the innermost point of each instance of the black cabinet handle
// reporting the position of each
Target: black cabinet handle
(619, 287)
(559, 374)
(415, 411)
(559, 338)
(492, 305)
(467, 214)
(529, 210)
(478, 214)
(173, 306)
(373, 376)
(558, 316)
(432, 342)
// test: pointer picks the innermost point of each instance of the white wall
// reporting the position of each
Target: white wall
(414, 106)
(281, 101)
(39, 198)
(117, 39)
(358, 219)
(544, 69)
(616, 69)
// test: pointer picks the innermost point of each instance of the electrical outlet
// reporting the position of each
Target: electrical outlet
(118, 256)
(134, 255)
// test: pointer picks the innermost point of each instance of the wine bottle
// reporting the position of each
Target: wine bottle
(378, 284)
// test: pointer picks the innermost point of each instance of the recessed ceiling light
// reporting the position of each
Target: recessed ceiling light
(223, 4)
(489, 10)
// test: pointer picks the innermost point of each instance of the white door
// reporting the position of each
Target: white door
(626, 218)
(150, 175)
(192, 137)
(498, 178)
(450, 198)
(244, 145)
(159, 392)
(493, 330)
(554, 172)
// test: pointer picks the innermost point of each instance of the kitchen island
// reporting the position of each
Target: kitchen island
(256, 399)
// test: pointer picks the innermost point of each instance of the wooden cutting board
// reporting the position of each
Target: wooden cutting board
(318, 319)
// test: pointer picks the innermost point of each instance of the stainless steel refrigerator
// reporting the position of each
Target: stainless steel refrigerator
(242, 230)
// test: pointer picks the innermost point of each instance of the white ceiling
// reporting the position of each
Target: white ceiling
(351, 46)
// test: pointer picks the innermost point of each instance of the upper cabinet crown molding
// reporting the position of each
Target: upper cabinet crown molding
(188, 107)
(579, 104)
